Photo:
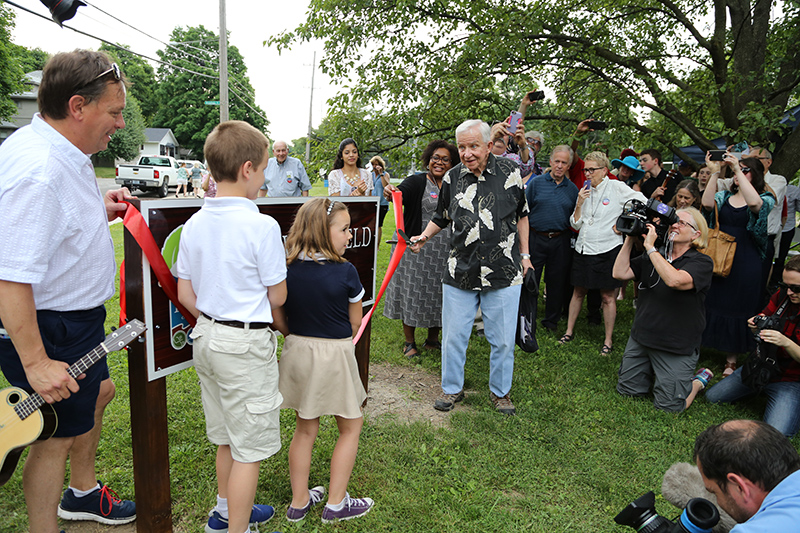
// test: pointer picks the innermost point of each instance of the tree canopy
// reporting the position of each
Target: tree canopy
(10, 69)
(671, 71)
(140, 75)
(182, 91)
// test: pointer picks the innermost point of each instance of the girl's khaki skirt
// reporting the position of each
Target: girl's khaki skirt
(320, 377)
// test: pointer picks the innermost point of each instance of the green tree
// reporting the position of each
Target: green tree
(193, 79)
(141, 76)
(124, 144)
(10, 70)
(29, 59)
(622, 59)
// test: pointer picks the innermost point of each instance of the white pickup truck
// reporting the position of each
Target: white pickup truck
(150, 173)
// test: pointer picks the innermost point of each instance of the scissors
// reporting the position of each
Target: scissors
(404, 237)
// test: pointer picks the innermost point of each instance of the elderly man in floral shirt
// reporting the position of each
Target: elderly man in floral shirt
(484, 199)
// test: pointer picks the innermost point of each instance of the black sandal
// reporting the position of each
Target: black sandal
(432, 345)
(606, 350)
(407, 347)
(565, 338)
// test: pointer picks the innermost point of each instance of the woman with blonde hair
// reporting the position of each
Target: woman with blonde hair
(600, 202)
(673, 282)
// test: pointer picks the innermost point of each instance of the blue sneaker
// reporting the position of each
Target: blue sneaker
(260, 513)
(704, 375)
(102, 506)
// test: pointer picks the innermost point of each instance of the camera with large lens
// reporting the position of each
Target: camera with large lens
(636, 215)
(700, 516)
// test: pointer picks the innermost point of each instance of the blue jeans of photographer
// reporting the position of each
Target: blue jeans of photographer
(783, 400)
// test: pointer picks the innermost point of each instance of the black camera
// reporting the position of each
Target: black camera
(636, 215)
(699, 516)
(767, 322)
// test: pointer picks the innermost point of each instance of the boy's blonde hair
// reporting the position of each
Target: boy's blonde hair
(310, 232)
(232, 144)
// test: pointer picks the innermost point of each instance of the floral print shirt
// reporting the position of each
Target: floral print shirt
(484, 211)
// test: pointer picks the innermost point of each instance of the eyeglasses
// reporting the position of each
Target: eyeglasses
(439, 158)
(114, 69)
(533, 141)
(745, 170)
(591, 170)
(794, 288)
(684, 223)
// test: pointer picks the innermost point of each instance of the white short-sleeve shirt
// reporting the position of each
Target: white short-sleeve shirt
(231, 253)
(55, 228)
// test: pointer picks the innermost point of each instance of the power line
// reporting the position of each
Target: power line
(115, 45)
(147, 34)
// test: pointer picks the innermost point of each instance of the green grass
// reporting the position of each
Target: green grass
(575, 454)
(105, 172)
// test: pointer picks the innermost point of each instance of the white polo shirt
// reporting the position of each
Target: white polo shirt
(54, 232)
(231, 253)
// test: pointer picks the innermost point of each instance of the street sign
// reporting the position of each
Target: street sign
(211, 102)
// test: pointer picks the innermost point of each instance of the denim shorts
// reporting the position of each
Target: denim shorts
(67, 336)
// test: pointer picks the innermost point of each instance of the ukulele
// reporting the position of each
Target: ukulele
(26, 418)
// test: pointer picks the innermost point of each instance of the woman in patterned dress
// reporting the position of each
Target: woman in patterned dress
(415, 293)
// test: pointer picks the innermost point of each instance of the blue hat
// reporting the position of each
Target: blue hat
(633, 163)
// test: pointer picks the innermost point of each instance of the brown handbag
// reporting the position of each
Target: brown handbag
(721, 248)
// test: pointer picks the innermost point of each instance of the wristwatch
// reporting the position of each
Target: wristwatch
(525, 256)
(651, 250)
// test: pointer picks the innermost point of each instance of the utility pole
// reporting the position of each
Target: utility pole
(310, 109)
(223, 65)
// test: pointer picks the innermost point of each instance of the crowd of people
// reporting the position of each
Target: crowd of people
(483, 213)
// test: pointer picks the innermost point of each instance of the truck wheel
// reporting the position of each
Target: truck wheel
(164, 189)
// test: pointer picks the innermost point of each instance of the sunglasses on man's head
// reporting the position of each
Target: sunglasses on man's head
(794, 288)
(113, 69)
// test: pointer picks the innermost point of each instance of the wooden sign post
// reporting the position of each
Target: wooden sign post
(167, 348)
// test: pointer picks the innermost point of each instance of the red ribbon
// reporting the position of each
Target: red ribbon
(397, 202)
(135, 224)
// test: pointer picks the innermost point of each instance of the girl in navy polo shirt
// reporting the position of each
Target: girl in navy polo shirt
(318, 371)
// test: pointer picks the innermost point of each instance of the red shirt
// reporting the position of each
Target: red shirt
(790, 367)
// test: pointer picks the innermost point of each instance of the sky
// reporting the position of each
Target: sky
(282, 82)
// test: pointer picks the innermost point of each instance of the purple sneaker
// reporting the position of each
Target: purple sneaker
(314, 497)
(703, 376)
(353, 508)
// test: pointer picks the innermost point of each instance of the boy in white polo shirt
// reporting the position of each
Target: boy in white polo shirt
(232, 272)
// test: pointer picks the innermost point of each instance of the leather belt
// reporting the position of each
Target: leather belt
(237, 324)
(548, 234)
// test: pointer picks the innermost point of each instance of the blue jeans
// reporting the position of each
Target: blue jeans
(499, 309)
(783, 400)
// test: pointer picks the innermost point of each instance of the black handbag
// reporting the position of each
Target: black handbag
(526, 320)
(762, 366)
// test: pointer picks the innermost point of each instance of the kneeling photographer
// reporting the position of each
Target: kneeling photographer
(673, 280)
(774, 368)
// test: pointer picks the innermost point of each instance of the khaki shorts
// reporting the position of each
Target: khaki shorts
(238, 371)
